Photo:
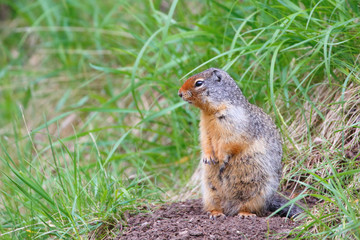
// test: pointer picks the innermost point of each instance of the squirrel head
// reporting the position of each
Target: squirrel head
(211, 90)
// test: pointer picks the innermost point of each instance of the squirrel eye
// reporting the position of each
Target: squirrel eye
(198, 83)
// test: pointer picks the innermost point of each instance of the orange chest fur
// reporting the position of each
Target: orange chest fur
(219, 137)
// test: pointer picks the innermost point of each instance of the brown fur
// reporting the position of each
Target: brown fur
(241, 147)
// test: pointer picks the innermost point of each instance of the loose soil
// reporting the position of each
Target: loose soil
(187, 220)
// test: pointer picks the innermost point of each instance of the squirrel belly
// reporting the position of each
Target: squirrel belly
(241, 148)
(243, 178)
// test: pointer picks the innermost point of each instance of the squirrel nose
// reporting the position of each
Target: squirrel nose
(180, 94)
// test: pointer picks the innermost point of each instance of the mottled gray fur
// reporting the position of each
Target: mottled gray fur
(252, 123)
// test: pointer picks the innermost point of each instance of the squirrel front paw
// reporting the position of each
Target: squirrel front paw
(210, 160)
(224, 163)
(227, 159)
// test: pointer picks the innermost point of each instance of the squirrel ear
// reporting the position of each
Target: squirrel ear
(217, 75)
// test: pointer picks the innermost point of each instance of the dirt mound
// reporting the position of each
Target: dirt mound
(186, 220)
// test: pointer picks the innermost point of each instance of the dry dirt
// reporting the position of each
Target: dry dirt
(186, 220)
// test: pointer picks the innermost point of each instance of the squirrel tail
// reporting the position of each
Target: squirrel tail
(289, 211)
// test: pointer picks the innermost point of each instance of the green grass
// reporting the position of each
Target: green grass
(91, 124)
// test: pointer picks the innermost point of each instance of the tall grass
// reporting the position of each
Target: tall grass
(92, 127)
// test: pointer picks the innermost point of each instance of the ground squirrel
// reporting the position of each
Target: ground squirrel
(241, 149)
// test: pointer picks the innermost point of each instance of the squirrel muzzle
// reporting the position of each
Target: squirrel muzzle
(185, 95)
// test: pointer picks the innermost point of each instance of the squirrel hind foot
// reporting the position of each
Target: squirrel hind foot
(243, 215)
(216, 214)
